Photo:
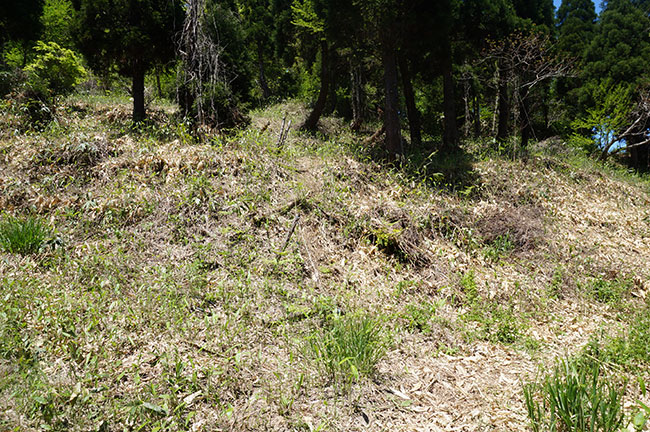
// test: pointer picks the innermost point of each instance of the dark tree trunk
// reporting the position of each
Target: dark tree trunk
(450, 133)
(137, 91)
(312, 120)
(266, 92)
(357, 96)
(409, 97)
(391, 118)
(504, 106)
(639, 156)
(158, 85)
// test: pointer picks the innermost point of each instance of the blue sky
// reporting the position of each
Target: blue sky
(558, 2)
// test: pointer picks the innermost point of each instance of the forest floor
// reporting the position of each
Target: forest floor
(200, 285)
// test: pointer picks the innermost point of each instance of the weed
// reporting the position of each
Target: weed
(501, 246)
(23, 236)
(609, 291)
(575, 397)
(629, 350)
(468, 285)
(350, 347)
(418, 316)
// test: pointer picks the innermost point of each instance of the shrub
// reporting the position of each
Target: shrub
(348, 348)
(23, 236)
(55, 70)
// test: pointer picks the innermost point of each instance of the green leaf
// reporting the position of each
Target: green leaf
(154, 408)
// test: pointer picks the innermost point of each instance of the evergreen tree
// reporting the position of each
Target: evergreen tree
(621, 48)
(131, 35)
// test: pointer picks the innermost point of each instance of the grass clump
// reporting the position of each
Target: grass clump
(23, 236)
(348, 348)
(575, 397)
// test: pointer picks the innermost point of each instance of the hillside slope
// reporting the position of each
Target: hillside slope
(190, 285)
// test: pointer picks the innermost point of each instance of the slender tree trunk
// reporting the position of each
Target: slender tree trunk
(266, 92)
(391, 118)
(137, 91)
(467, 121)
(312, 120)
(158, 85)
(477, 115)
(409, 97)
(357, 96)
(450, 133)
(526, 125)
(504, 106)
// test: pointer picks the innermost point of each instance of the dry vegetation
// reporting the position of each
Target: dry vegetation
(186, 282)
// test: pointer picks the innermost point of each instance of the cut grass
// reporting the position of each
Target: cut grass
(23, 236)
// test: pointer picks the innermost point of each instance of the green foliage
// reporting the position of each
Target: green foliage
(23, 236)
(55, 70)
(348, 348)
(609, 291)
(57, 19)
(575, 397)
(606, 119)
(502, 245)
(629, 349)
(498, 323)
(306, 17)
(418, 316)
(621, 46)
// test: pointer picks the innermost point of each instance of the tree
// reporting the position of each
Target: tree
(309, 16)
(576, 23)
(526, 62)
(131, 35)
(619, 52)
(618, 121)
(621, 47)
(56, 20)
(19, 23)
(215, 65)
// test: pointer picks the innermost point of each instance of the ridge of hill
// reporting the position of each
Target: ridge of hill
(199, 285)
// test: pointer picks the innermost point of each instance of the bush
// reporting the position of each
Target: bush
(23, 236)
(55, 71)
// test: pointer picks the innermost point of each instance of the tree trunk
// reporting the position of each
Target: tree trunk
(266, 92)
(409, 97)
(391, 118)
(467, 121)
(357, 96)
(504, 106)
(526, 126)
(312, 120)
(137, 91)
(450, 133)
(158, 85)
(477, 115)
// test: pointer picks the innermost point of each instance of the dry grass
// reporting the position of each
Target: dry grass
(176, 300)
